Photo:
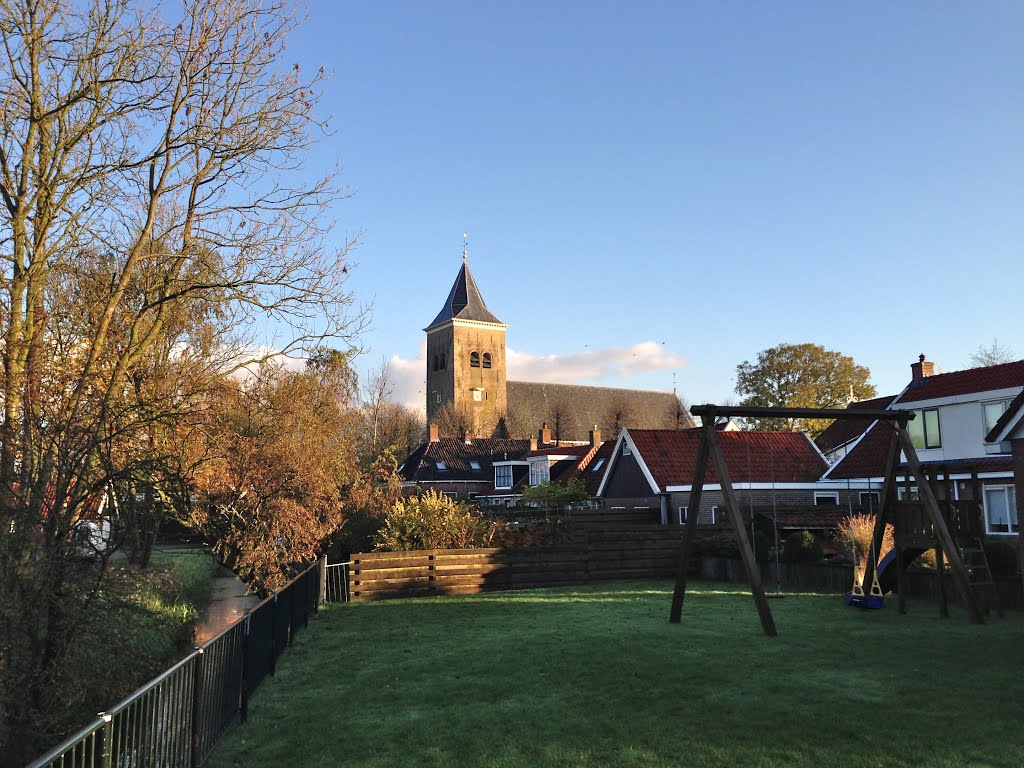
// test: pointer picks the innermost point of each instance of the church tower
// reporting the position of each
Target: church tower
(466, 357)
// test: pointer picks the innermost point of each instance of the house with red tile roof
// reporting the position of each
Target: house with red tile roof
(968, 432)
(777, 473)
(837, 439)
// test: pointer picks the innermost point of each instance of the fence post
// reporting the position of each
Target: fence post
(197, 703)
(321, 595)
(273, 637)
(243, 702)
(107, 750)
(306, 581)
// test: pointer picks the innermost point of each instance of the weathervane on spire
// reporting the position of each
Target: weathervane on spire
(465, 246)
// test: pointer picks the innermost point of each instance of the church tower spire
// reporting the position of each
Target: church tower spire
(466, 358)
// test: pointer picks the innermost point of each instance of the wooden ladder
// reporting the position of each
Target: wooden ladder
(981, 580)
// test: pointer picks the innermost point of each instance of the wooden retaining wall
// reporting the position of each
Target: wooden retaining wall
(643, 552)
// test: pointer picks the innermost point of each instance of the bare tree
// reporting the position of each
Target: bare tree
(677, 416)
(147, 178)
(996, 354)
(561, 418)
(455, 420)
(619, 414)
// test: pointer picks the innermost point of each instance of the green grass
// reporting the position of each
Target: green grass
(596, 676)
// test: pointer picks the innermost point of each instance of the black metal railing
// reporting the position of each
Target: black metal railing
(177, 719)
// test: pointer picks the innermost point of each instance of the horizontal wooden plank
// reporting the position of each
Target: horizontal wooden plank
(367, 574)
(392, 562)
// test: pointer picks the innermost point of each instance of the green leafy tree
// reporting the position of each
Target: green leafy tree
(800, 376)
(549, 495)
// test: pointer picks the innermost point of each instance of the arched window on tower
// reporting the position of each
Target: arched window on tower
(474, 359)
(435, 362)
(487, 359)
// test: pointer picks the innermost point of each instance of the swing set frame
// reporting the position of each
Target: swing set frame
(711, 449)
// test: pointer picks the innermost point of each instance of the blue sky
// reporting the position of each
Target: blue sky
(658, 189)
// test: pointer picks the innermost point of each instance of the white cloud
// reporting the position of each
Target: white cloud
(592, 364)
(409, 379)
(595, 365)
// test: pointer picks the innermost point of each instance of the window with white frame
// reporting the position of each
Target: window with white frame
(539, 472)
(682, 515)
(826, 498)
(503, 476)
(714, 516)
(626, 451)
(903, 494)
(990, 413)
(474, 464)
(1001, 509)
(924, 429)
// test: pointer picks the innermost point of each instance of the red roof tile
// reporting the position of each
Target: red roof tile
(842, 431)
(755, 457)
(966, 382)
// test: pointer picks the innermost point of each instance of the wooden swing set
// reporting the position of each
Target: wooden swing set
(711, 448)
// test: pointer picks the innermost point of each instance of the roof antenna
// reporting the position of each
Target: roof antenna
(465, 246)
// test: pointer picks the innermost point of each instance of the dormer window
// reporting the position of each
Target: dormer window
(540, 472)
(474, 359)
(503, 476)
(487, 359)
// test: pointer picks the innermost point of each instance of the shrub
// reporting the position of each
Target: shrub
(853, 535)
(432, 521)
(802, 547)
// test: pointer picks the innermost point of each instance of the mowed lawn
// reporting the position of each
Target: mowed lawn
(596, 676)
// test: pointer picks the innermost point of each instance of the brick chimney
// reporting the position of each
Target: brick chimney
(595, 436)
(533, 443)
(432, 432)
(545, 434)
(468, 438)
(922, 369)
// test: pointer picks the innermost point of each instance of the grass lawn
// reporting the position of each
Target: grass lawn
(596, 676)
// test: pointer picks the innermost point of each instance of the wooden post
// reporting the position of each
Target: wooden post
(901, 580)
(686, 551)
(735, 517)
(884, 505)
(960, 578)
(940, 570)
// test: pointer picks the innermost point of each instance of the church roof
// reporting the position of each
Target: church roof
(464, 302)
(573, 409)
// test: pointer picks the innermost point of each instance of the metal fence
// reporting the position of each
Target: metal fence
(177, 719)
(336, 581)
